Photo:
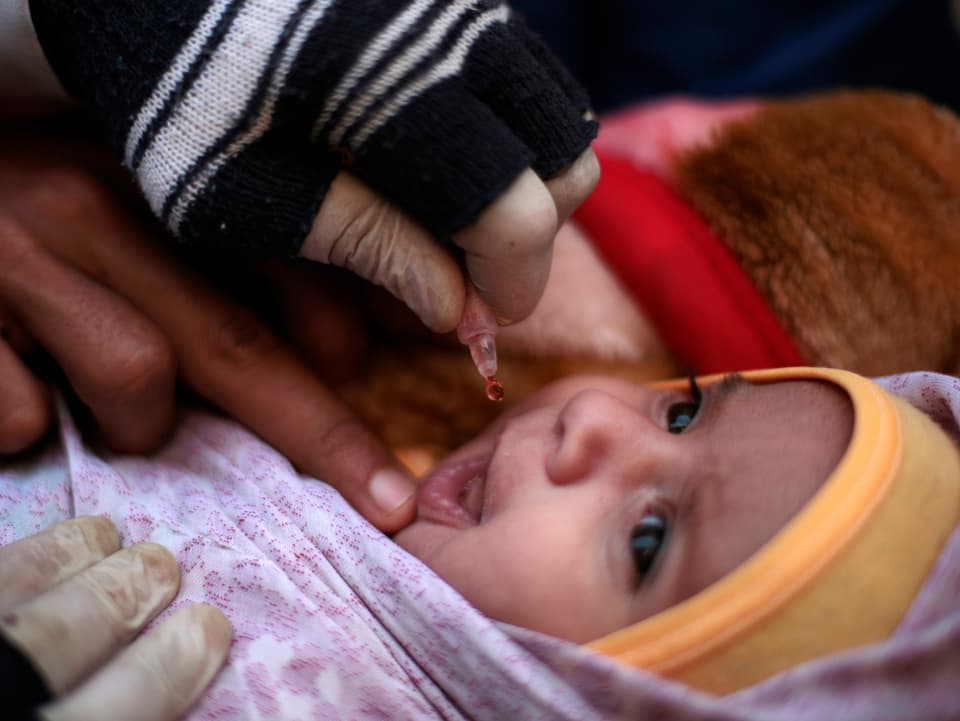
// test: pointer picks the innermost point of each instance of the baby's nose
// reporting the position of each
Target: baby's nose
(599, 436)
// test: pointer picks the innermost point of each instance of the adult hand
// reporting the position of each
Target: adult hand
(507, 251)
(70, 603)
(83, 280)
(236, 118)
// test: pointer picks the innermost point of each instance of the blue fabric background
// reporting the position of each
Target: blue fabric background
(625, 50)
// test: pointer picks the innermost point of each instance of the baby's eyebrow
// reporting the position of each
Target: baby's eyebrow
(716, 394)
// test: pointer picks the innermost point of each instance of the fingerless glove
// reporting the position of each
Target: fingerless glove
(235, 115)
(22, 688)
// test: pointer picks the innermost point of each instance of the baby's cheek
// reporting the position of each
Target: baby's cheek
(611, 326)
(534, 578)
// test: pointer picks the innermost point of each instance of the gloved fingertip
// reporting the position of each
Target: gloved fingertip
(99, 532)
(188, 649)
(218, 632)
(160, 569)
(509, 248)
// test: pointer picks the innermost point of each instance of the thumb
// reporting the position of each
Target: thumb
(510, 246)
(359, 230)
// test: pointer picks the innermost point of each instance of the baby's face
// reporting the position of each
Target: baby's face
(598, 502)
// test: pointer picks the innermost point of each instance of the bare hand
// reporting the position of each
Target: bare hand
(123, 319)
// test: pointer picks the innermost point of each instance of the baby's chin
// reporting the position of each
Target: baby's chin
(422, 537)
(450, 498)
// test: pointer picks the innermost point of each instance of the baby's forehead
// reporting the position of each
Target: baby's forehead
(767, 435)
(737, 391)
(771, 437)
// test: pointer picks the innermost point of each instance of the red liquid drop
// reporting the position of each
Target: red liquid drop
(494, 389)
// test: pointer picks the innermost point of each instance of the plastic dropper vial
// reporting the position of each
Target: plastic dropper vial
(478, 331)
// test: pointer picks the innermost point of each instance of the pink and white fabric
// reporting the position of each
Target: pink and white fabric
(333, 621)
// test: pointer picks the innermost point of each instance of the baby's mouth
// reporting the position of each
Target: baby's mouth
(452, 494)
(470, 498)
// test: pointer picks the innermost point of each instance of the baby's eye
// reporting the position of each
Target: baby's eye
(646, 541)
(680, 415)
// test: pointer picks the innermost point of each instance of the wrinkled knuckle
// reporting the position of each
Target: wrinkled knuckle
(342, 436)
(22, 425)
(375, 223)
(243, 340)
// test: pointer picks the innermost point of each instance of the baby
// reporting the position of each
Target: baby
(597, 503)
(712, 532)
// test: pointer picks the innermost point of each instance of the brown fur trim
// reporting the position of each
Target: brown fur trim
(845, 210)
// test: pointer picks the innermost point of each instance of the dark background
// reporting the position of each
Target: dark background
(628, 50)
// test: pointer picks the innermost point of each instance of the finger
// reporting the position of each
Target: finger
(317, 318)
(73, 628)
(14, 335)
(571, 187)
(34, 564)
(234, 360)
(509, 247)
(250, 373)
(158, 677)
(116, 359)
(25, 410)
(358, 230)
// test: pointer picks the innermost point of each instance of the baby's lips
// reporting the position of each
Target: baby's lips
(445, 492)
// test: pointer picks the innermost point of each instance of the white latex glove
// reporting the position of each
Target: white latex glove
(71, 601)
(507, 251)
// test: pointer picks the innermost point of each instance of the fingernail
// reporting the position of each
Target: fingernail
(391, 489)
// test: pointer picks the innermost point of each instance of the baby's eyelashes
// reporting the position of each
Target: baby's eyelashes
(647, 541)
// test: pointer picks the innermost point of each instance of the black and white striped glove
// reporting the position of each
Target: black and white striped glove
(235, 115)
